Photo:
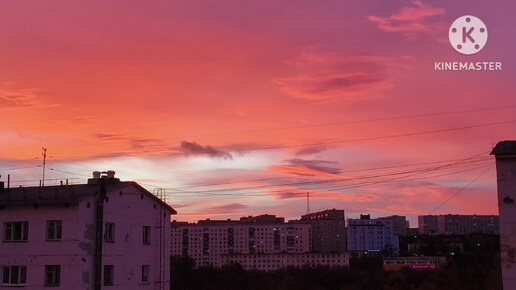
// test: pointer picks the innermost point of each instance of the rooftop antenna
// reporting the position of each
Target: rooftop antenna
(44, 154)
(307, 202)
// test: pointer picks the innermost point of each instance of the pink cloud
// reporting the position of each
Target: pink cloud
(412, 20)
(326, 76)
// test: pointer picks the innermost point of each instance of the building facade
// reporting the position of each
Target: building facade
(207, 241)
(505, 154)
(328, 230)
(400, 224)
(106, 233)
(459, 224)
(372, 235)
(428, 225)
(275, 261)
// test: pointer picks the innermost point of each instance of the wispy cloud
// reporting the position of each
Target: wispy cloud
(19, 98)
(311, 150)
(326, 76)
(412, 20)
(192, 148)
(227, 208)
(303, 167)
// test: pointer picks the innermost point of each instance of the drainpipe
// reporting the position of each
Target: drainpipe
(99, 224)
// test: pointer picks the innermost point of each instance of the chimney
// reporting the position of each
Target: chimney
(505, 155)
(110, 174)
(2, 190)
(96, 174)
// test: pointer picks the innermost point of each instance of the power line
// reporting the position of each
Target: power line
(357, 121)
(462, 189)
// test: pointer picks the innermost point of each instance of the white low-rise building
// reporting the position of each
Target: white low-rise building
(106, 233)
(272, 262)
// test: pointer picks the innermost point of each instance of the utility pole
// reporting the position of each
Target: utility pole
(44, 154)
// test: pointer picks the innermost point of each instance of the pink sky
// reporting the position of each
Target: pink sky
(241, 107)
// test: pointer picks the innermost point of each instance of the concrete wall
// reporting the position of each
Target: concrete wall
(506, 179)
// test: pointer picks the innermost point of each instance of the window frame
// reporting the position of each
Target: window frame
(109, 232)
(10, 231)
(21, 275)
(146, 235)
(57, 233)
(108, 275)
(145, 278)
(55, 272)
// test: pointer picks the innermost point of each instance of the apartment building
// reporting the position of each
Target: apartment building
(103, 234)
(372, 235)
(454, 224)
(208, 240)
(328, 230)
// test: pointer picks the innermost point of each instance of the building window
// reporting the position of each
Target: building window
(109, 232)
(145, 273)
(14, 275)
(52, 275)
(146, 235)
(54, 229)
(16, 231)
(109, 275)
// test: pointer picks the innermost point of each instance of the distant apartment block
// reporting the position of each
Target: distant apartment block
(328, 230)
(208, 240)
(428, 224)
(458, 224)
(372, 235)
(399, 223)
(104, 234)
(275, 261)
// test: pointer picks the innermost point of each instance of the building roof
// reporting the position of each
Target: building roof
(507, 147)
(65, 193)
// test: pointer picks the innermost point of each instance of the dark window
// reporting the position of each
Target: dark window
(146, 235)
(14, 275)
(109, 232)
(16, 231)
(54, 229)
(52, 275)
(109, 275)
(145, 273)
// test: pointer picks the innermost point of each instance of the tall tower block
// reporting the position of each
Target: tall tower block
(505, 154)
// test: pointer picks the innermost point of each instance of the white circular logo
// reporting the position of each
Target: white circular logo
(468, 34)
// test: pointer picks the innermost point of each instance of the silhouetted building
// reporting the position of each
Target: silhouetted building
(328, 230)
(454, 224)
(81, 236)
(428, 225)
(399, 224)
(272, 262)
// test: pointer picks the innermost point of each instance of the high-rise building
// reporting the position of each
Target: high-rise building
(372, 235)
(328, 230)
(399, 224)
(428, 225)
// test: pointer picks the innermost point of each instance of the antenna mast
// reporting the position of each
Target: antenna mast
(44, 154)
(307, 202)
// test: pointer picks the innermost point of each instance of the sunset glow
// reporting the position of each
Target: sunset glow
(239, 108)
